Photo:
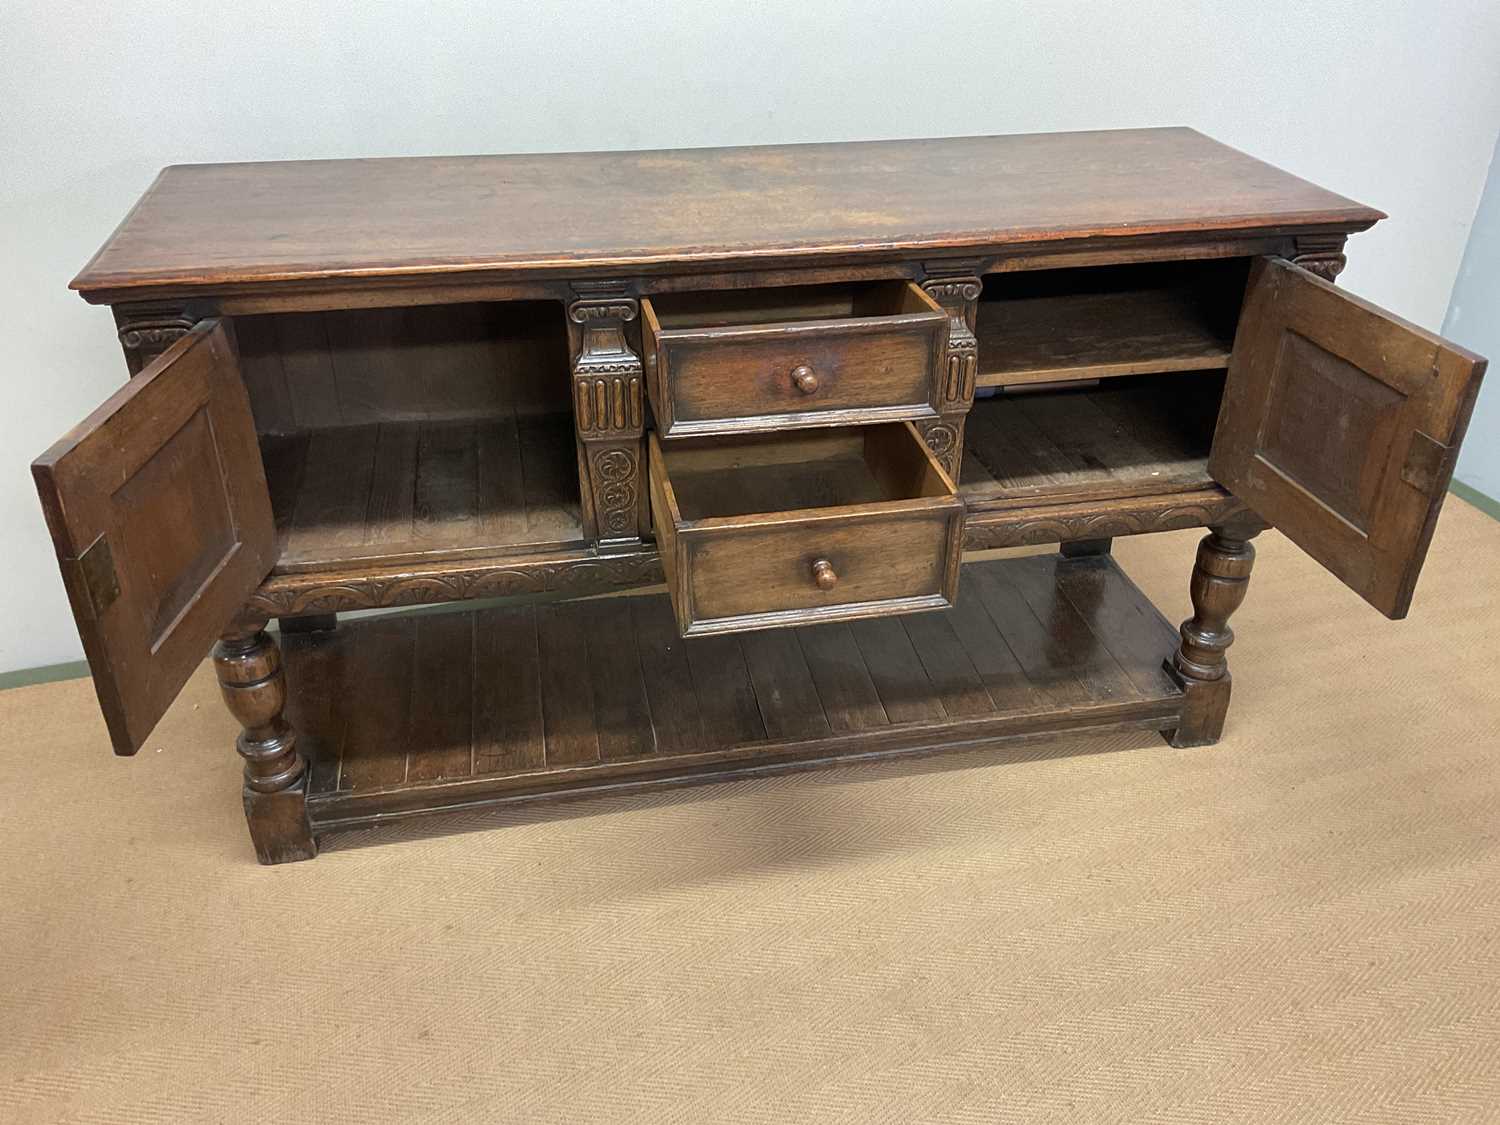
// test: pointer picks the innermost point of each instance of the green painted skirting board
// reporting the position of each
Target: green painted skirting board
(51, 673)
(47, 674)
(1486, 504)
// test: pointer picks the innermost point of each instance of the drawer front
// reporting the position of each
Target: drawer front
(760, 377)
(818, 569)
(862, 536)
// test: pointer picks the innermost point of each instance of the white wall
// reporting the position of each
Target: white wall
(1394, 103)
(1474, 321)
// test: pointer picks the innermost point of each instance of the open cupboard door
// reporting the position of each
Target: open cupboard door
(1340, 425)
(159, 511)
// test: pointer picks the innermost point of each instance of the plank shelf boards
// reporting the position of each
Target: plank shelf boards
(1058, 325)
(1124, 437)
(499, 704)
(391, 492)
(1094, 336)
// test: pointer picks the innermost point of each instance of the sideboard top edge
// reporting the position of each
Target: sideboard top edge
(201, 227)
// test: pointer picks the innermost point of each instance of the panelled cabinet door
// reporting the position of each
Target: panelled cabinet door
(159, 511)
(1340, 425)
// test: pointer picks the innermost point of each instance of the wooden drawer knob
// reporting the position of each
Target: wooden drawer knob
(805, 379)
(824, 574)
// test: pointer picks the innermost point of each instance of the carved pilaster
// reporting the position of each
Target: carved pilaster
(1322, 254)
(959, 297)
(248, 663)
(147, 330)
(1220, 578)
(609, 412)
(958, 294)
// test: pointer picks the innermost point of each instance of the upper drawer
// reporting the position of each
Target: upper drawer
(771, 359)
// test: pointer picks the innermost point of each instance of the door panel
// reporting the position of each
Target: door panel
(159, 512)
(1340, 425)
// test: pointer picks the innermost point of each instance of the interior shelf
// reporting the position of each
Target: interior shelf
(1060, 325)
(1122, 437)
(398, 491)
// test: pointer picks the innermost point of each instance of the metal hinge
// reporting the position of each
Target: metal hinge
(97, 566)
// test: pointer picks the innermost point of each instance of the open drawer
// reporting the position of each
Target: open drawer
(762, 531)
(754, 360)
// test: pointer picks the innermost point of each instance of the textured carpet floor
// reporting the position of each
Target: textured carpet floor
(1300, 924)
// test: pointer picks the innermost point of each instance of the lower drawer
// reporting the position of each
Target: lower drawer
(787, 529)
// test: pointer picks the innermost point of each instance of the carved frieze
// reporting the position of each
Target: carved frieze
(290, 595)
(1086, 521)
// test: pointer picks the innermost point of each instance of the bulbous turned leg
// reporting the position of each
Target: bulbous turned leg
(1220, 578)
(248, 662)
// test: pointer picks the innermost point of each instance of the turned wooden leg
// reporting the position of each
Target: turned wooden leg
(1083, 548)
(248, 662)
(1220, 577)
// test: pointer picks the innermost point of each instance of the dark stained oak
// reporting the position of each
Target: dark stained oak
(1220, 578)
(161, 521)
(764, 531)
(641, 702)
(1095, 335)
(1341, 425)
(765, 375)
(774, 359)
(211, 225)
(423, 491)
(1125, 437)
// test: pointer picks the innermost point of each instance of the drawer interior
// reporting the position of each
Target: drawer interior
(1044, 326)
(732, 307)
(1130, 436)
(713, 478)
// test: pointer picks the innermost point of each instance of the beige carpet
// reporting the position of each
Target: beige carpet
(1302, 923)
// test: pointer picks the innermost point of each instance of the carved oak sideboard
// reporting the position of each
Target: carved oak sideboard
(792, 383)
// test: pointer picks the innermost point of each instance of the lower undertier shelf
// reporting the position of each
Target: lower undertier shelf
(418, 713)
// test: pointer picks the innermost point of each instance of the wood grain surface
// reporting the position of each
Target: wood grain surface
(211, 225)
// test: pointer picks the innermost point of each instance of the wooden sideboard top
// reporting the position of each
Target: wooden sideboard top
(203, 226)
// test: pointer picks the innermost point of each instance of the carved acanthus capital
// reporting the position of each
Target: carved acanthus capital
(146, 331)
(593, 310)
(954, 292)
(1322, 254)
(607, 373)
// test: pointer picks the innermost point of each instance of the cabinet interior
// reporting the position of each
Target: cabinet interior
(393, 433)
(1131, 436)
(1099, 381)
(1044, 326)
